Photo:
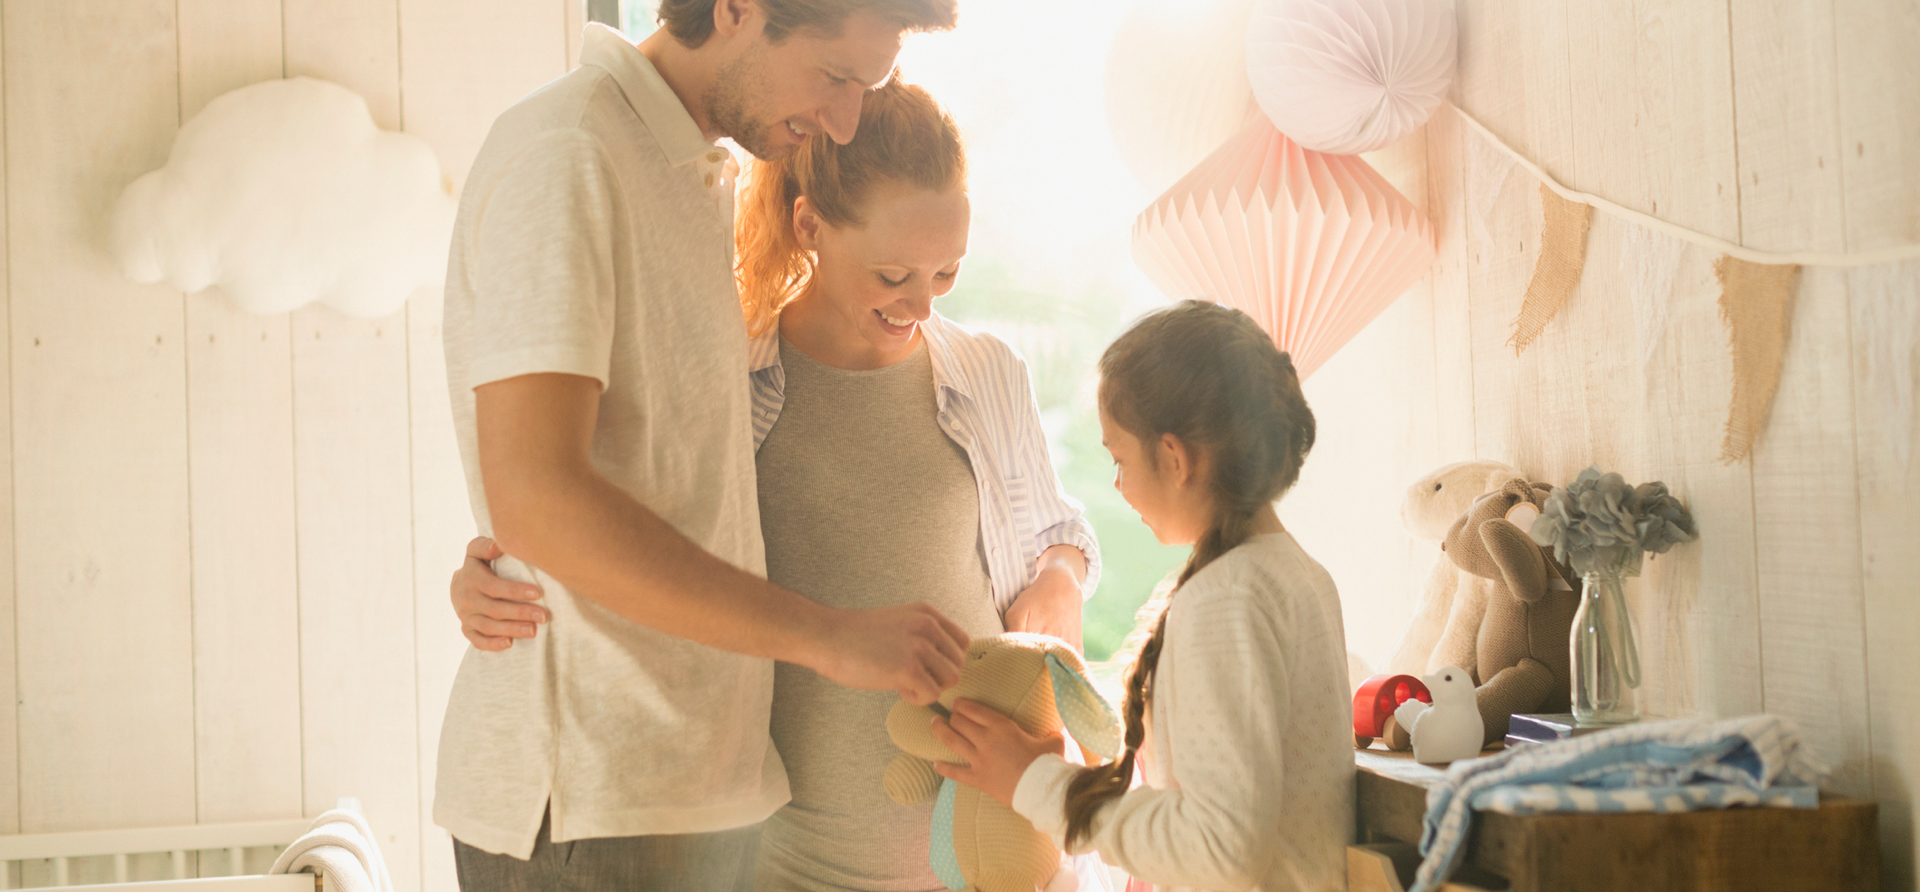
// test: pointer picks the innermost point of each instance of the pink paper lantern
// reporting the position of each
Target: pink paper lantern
(1312, 246)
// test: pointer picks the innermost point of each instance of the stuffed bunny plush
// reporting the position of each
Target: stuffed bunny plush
(1446, 619)
(1521, 656)
(1039, 682)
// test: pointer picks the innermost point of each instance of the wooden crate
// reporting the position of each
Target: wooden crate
(1834, 847)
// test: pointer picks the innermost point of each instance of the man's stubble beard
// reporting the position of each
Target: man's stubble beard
(731, 106)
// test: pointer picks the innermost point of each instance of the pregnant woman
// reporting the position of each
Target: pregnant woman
(900, 459)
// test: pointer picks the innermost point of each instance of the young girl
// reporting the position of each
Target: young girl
(1249, 766)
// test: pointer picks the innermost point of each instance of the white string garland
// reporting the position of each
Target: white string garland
(1751, 255)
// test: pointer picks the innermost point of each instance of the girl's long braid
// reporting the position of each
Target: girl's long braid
(1210, 376)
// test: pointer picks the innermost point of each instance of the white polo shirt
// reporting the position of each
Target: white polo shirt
(595, 238)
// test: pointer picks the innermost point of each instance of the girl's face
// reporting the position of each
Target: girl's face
(1161, 480)
(873, 285)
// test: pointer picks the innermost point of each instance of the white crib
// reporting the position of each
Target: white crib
(210, 847)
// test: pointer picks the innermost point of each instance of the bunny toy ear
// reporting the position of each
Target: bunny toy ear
(1087, 715)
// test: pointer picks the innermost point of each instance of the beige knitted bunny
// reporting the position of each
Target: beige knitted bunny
(1040, 683)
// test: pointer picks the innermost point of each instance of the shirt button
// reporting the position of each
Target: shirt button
(709, 181)
(716, 156)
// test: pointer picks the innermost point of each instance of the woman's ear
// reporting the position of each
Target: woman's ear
(806, 224)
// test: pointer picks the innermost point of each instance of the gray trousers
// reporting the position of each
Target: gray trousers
(692, 862)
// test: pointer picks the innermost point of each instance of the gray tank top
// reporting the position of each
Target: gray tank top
(864, 502)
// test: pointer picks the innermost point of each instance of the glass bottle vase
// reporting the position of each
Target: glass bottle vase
(1606, 661)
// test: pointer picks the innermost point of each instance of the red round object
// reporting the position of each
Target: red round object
(1379, 696)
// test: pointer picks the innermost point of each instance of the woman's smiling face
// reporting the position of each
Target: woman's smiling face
(874, 284)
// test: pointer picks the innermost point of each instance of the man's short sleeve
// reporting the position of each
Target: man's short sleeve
(542, 263)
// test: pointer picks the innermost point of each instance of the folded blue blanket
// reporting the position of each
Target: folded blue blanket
(1669, 766)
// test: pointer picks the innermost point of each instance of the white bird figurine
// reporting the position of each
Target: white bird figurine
(1450, 729)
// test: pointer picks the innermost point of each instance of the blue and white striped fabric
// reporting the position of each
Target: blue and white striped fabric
(1670, 766)
(986, 406)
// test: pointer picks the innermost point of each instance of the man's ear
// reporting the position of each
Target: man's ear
(806, 224)
(735, 17)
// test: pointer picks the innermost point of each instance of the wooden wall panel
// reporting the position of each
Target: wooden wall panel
(1879, 119)
(99, 428)
(1654, 130)
(1521, 92)
(353, 488)
(358, 700)
(1889, 527)
(9, 665)
(240, 431)
(1807, 523)
(1879, 153)
(1653, 104)
(461, 67)
(1452, 320)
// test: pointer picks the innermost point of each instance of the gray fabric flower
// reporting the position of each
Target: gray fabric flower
(1598, 522)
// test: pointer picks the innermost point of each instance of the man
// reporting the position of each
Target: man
(596, 355)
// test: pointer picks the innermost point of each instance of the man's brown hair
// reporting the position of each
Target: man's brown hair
(691, 21)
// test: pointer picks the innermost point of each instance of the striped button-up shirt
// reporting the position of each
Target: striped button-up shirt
(985, 404)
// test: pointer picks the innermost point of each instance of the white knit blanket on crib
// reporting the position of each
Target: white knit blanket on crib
(340, 847)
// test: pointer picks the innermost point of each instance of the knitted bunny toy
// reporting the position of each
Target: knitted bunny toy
(1039, 682)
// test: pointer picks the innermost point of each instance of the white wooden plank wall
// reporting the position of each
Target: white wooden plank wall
(240, 527)
(1879, 142)
(104, 634)
(240, 438)
(1806, 513)
(9, 701)
(1779, 124)
(353, 493)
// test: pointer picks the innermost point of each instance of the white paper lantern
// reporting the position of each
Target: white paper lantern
(1312, 246)
(1350, 76)
(1176, 85)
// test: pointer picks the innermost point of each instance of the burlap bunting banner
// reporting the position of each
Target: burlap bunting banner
(1757, 303)
(1563, 253)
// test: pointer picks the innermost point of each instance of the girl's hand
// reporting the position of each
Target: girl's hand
(493, 611)
(997, 750)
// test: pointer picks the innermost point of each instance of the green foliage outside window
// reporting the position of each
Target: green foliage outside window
(1061, 336)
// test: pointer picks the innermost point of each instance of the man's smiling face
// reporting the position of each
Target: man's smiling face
(773, 96)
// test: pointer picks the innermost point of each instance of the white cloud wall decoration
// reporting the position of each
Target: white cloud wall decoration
(285, 193)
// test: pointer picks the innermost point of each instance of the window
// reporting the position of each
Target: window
(1049, 268)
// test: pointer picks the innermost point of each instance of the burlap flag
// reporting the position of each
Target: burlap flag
(1563, 252)
(1757, 302)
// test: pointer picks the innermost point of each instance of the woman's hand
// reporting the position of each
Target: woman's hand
(493, 611)
(997, 750)
(1051, 605)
